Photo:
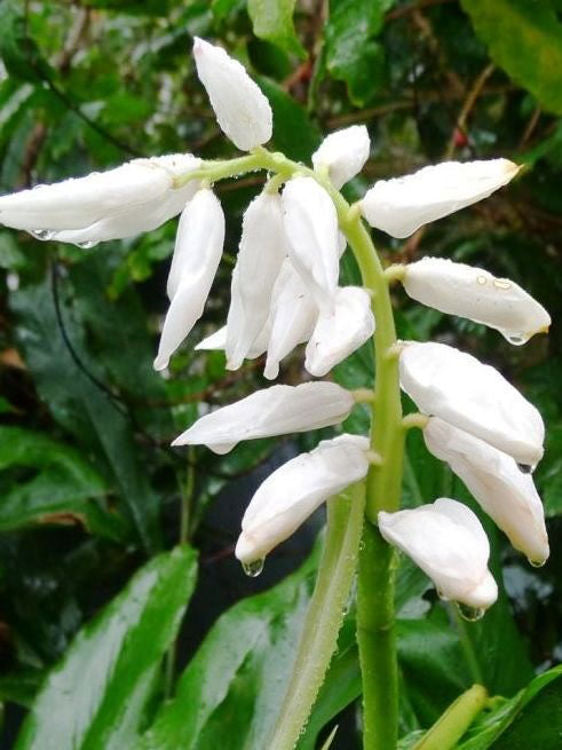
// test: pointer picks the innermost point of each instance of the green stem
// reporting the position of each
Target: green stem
(450, 727)
(324, 616)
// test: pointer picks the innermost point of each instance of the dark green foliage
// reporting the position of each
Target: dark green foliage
(90, 489)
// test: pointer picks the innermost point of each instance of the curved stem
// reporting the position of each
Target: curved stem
(450, 727)
(324, 616)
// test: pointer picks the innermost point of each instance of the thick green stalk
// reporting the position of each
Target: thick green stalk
(450, 727)
(324, 616)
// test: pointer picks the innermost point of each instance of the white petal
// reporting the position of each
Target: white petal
(242, 110)
(277, 410)
(293, 492)
(338, 334)
(262, 251)
(449, 544)
(136, 197)
(197, 254)
(447, 383)
(292, 317)
(311, 225)
(343, 153)
(402, 205)
(506, 493)
(459, 289)
(216, 341)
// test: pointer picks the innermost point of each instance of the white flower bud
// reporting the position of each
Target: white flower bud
(311, 224)
(262, 251)
(292, 317)
(447, 383)
(459, 289)
(343, 154)
(242, 110)
(294, 491)
(197, 254)
(136, 197)
(506, 493)
(336, 335)
(448, 543)
(402, 205)
(277, 410)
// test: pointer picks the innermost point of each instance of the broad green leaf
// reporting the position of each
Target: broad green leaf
(18, 51)
(293, 132)
(524, 38)
(273, 21)
(64, 489)
(99, 423)
(532, 719)
(352, 53)
(97, 695)
(230, 693)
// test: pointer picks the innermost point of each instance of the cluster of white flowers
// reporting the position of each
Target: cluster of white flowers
(285, 291)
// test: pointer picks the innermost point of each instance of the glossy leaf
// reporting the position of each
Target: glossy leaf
(352, 53)
(97, 695)
(81, 406)
(273, 21)
(233, 687)
(65, 489)
(533, 718)
(525, 38)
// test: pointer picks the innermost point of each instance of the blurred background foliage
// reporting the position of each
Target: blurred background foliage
(94, 502)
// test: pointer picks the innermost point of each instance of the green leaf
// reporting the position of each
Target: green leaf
(230, 693)
(79, 404)
(293, 132)
(97, 695)
(63, 490)
(273, 21)
(18, 51)
(524, 38)
(352, 54)
(532, 719)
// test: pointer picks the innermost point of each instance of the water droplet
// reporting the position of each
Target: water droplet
(42, 234)
(517, 339)
(87, 244)
(525, 468)
(442, 596)
(537, 563)
(254, 568)
(481, 280)
(502, 284)
(472, 614)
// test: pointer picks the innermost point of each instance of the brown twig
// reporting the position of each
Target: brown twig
(466, 109)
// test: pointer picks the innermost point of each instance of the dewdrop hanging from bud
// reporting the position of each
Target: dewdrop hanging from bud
(506, 494)
(343, 154)
(136, 197)
(447, 383)
(402, 205)
(197, 253)
(294, 491)
(448, 543)
(242, 110)
(278, 410)
(459, 289)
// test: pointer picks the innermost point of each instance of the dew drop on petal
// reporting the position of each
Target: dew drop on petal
(525, 468)
(537, 563)
(471, 614)
(42, 234)
(254, 568)
(517, 339)
(87, 244)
